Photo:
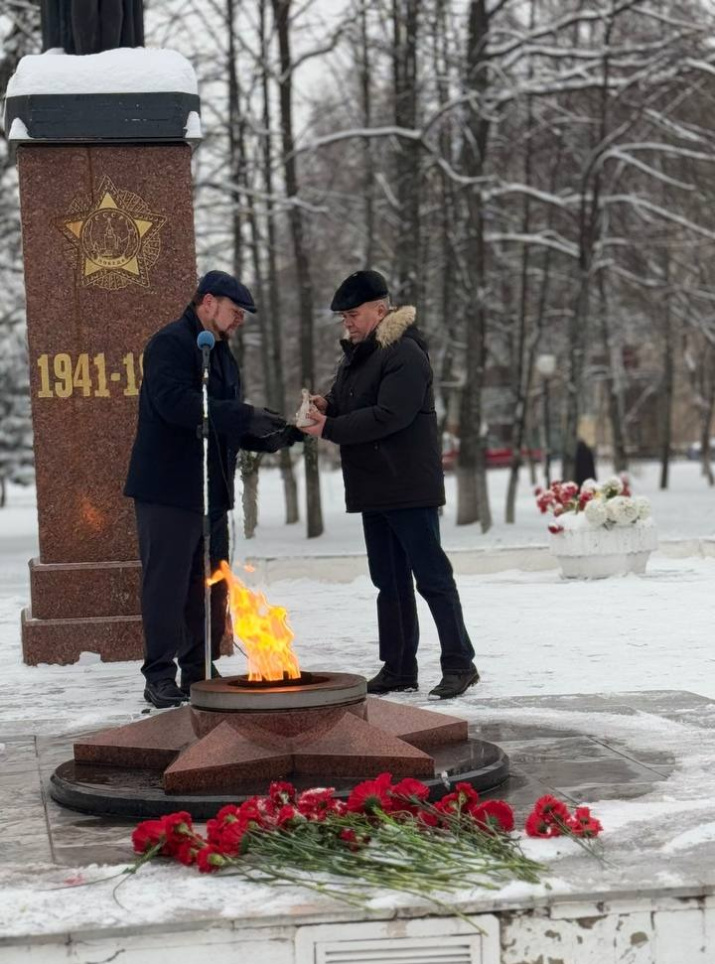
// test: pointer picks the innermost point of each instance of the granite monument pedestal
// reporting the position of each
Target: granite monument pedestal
(108, 247)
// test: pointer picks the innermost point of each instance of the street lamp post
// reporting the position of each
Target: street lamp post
(546, 367)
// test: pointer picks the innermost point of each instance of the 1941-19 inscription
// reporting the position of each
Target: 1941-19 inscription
(88, 376)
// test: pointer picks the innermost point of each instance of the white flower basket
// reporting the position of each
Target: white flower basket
(584, 551)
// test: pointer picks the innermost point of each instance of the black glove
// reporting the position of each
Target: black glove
(264, 423)
(281, 439)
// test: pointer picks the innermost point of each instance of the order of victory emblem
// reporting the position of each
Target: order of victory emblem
(116, 241)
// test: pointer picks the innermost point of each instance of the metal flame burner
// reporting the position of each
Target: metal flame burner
(235, 694)
(305, 679)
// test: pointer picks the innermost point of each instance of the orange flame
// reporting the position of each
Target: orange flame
(262, 628)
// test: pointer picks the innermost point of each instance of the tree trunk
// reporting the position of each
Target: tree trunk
(236, 168)
(472, 492)
(278, 396)
(668, 387)
(281, 11)
(705, 448)
(447, 372)
(614, 384)
(405, 20)
(523, 367)
(250, 463)
(589, 240)
(369, 176)
(574, 383)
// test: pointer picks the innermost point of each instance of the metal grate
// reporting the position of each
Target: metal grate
(401, 950)
(419, 941)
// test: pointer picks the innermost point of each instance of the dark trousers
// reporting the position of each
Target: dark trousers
(400, 543)
(171, 548)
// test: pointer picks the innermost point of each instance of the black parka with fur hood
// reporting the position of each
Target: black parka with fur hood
(381, 413)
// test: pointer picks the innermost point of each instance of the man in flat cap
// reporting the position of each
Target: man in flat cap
(380, 411)
(166, 480)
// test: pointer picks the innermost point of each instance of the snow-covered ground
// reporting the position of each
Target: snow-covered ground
(685, 510)
(534, 633)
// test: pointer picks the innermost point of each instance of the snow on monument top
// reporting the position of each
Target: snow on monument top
(125, 70)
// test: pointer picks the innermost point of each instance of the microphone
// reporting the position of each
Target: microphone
(206, 340)
(205, 343)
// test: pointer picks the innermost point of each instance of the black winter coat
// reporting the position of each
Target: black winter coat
(166, 465)
(381, 413)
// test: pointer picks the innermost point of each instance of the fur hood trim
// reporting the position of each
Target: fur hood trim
(394, 325)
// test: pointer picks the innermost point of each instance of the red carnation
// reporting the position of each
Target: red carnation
(493, 815)
(568, 492)
(252, 812)
(551, 808)
(584, 498)
(464, 796)
(428, 819)
(209, 860)
(148, 834)
(281, 793)
(235, 840)
(186, 852)
(555, 529)
(410, 789)
(372, 795)
(315, 803)
(229, 813)
(288, 816)
(582, 824)
(538, 826)
(352, 840)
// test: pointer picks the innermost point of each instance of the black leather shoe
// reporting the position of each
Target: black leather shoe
(454, 684)
(163, 693)
(387, 682)
(188, 679)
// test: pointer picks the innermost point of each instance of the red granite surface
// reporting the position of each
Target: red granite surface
(148, 744)
(62, 590)
(84, 427)
(422, 728)
(278, 730)
(64, 640)
(220, 760)
(353, 748)
(206, 752)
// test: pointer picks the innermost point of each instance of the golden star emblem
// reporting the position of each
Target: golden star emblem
(116, 240)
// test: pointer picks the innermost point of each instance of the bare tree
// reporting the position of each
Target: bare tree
(281, 13)
(472, 492)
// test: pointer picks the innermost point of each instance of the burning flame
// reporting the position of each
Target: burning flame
(262, 628)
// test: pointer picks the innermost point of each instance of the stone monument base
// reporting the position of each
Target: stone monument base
(235, 738)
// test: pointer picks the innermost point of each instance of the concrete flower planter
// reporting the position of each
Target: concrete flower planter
(596, 552)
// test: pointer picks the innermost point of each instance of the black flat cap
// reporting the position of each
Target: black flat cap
(223, 285)
(359, 287)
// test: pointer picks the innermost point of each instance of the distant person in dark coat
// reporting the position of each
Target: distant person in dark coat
(166, 480)
(380, 411)
(585, 463)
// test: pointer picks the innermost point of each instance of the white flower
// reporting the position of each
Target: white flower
(590, 485)
(612, 487)
(596, 512)
(643, 506)
(622, 510)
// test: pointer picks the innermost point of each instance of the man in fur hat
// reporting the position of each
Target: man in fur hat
(380, 411)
